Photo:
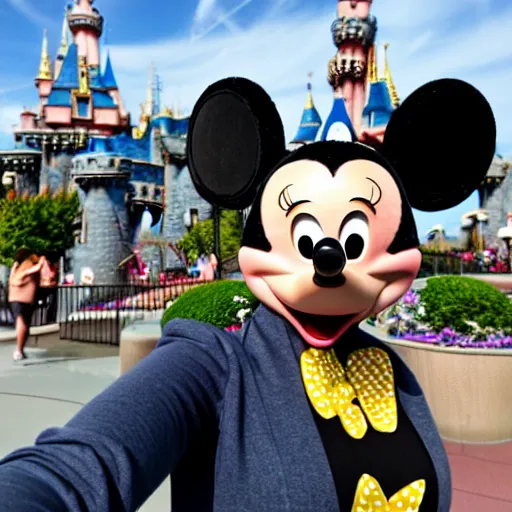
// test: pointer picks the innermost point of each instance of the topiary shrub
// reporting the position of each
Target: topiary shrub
(212, 303)
(451, 301)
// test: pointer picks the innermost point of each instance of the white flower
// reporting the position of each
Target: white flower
(242, 313)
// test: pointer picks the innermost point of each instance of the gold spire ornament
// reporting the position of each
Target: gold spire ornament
(45, 67)
(309, 101)
(84, 76)
(370, 497)
(332, 389)
(395, 100)
(372, 65)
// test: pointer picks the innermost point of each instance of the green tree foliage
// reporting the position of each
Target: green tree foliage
(212, 303)
(43, 224)
(200, 239)
(451, 301)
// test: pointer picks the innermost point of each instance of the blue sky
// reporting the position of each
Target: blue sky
(276, 43)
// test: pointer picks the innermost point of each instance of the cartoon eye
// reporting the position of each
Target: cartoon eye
(355, 236)
(306, 233)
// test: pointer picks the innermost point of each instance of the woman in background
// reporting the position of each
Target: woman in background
(23, 284)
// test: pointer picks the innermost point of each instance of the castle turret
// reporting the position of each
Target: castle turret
(382, 98)
(311, 121)
(44, 79)
(353, 35)
(63, 49)
(86, 24)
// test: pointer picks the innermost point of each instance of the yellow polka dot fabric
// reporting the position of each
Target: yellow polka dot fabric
(370, 497)
(332, 390)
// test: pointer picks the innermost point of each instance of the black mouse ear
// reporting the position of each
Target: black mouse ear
(441, 142)
(235, 138)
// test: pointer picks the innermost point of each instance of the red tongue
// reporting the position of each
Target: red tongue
(322, 327)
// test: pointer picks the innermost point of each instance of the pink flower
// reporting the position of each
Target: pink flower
(235, 327)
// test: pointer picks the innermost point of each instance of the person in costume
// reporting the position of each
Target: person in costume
(301, 410)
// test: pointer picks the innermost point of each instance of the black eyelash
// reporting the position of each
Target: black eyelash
(371, 201)
(285, 201)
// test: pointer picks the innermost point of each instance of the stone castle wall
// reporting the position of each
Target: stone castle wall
(181, 197)
(498, 205)
(107, 234)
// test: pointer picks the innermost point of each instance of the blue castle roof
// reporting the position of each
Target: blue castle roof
(109, 79)
(338, 125)
(379, 107)
(310, 123)
(68, 76)
(67, 81)
(168, 125)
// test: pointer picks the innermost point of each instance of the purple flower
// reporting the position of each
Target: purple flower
(411, 298)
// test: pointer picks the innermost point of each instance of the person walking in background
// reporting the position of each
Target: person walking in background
(23, 285)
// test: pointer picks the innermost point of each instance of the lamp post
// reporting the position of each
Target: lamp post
(216, 240)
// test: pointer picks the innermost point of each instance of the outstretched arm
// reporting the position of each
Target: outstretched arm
(120, 447)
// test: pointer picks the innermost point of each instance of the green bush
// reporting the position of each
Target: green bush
(200, 239)
(212, 303)
(451, 301)
(42, 224)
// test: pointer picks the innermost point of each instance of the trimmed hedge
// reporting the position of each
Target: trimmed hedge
(212, 303)
(450, 301)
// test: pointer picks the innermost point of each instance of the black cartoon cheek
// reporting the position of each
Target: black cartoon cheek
(306, 233)
(355, 236)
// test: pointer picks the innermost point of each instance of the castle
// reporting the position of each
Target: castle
(82, 136)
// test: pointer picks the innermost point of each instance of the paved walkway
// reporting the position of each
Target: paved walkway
(49, 388)
(56, 380)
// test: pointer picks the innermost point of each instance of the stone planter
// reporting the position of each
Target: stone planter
(469, 391)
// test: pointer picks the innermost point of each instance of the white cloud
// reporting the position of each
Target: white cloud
(203, 10)
(9, 117)
(279, 53)
(31, 13)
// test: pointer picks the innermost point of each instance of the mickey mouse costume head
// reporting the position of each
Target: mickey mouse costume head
(331, 238)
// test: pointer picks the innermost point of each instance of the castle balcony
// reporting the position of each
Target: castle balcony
(89, 166)
(86, 21)
(20, 161)
(354, 29)
(60, 140)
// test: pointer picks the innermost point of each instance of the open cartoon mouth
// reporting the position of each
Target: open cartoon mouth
(321, 327)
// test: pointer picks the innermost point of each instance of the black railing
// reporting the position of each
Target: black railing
(45, 312)
(437, 263)
(97, 313)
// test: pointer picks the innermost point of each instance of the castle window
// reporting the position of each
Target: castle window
(82, 105)
(144, 191)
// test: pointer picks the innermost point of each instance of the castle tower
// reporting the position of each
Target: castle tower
(106, 231)
(311, 121)
(353, 34)
(86, 25)
(44, 79)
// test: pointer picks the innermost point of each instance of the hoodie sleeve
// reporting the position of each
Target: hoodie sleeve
(122, 445)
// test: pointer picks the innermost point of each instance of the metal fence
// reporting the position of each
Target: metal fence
(434, 264)
(97, 313)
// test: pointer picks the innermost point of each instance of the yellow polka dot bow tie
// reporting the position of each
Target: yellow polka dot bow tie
(332, 389)
(371, 498)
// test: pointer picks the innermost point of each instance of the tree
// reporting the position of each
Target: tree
(200, 239)
(43, 224)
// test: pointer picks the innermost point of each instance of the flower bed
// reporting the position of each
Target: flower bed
(446, 302)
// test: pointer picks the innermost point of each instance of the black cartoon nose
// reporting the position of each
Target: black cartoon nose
(329, 261)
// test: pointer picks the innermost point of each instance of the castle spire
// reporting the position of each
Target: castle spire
(389, 79)
(150, 99)
(45, 67)
(373, 76)
(309, 100)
